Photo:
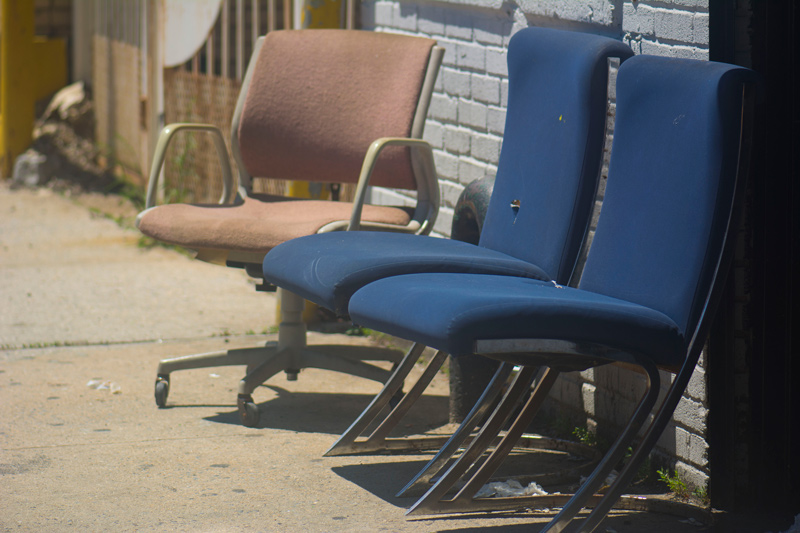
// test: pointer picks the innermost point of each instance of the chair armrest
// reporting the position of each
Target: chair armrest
(427, 185)
(165, 137)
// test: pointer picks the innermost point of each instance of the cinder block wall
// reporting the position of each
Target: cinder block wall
(465, 126)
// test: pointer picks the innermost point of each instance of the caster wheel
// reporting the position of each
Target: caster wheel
(162, 391)
(248, 411)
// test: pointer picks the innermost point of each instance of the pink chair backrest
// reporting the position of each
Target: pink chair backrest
(318, 98)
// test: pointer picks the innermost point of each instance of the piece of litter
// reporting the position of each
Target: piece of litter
(512, 487)
(212, 375)
(101, 385)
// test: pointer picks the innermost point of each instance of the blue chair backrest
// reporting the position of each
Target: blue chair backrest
(552, 148)
(670, 188)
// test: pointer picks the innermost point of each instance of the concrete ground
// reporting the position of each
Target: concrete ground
(80, 302)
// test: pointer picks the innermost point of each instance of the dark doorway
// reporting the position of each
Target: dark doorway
(754, 364)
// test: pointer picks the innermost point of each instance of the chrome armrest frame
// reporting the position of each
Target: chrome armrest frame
(425, 173)
(166, 136)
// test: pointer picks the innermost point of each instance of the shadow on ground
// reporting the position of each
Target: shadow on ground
(311, 412)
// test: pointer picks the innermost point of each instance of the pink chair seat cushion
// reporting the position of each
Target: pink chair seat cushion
(255, 225)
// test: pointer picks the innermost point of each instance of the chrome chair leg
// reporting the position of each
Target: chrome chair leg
(432, 501)
(378, 439)
(611, 459)
(487, 401)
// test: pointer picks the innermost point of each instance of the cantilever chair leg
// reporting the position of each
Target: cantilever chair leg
(648, 440)
(432, 501)
(421, 482)
(611, 459)
(499, 383)
(378, 439)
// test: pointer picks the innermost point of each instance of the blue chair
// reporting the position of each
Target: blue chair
(647, 293)
(537, 218)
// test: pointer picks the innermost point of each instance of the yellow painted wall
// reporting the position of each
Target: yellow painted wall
(16, 88)
(50, 73)
(30, 69)
(321, 14)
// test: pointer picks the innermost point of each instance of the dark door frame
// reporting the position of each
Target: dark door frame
(753, 359)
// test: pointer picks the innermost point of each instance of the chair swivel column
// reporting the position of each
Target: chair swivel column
(292, 329)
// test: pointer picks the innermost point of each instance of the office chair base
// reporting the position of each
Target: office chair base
(289, 354)
(264, 362)
(351, 360)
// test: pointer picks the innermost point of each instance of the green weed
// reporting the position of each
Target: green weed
(675, 484)
(701, 493)
(585, 436)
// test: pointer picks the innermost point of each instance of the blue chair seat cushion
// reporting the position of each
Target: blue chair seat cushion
(328, 268)
(451, 312)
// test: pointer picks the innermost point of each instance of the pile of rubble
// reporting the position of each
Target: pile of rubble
(63, 155)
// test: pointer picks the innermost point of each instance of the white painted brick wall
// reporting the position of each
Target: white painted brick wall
(485, 89)
(675, 28)
(465, 126)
